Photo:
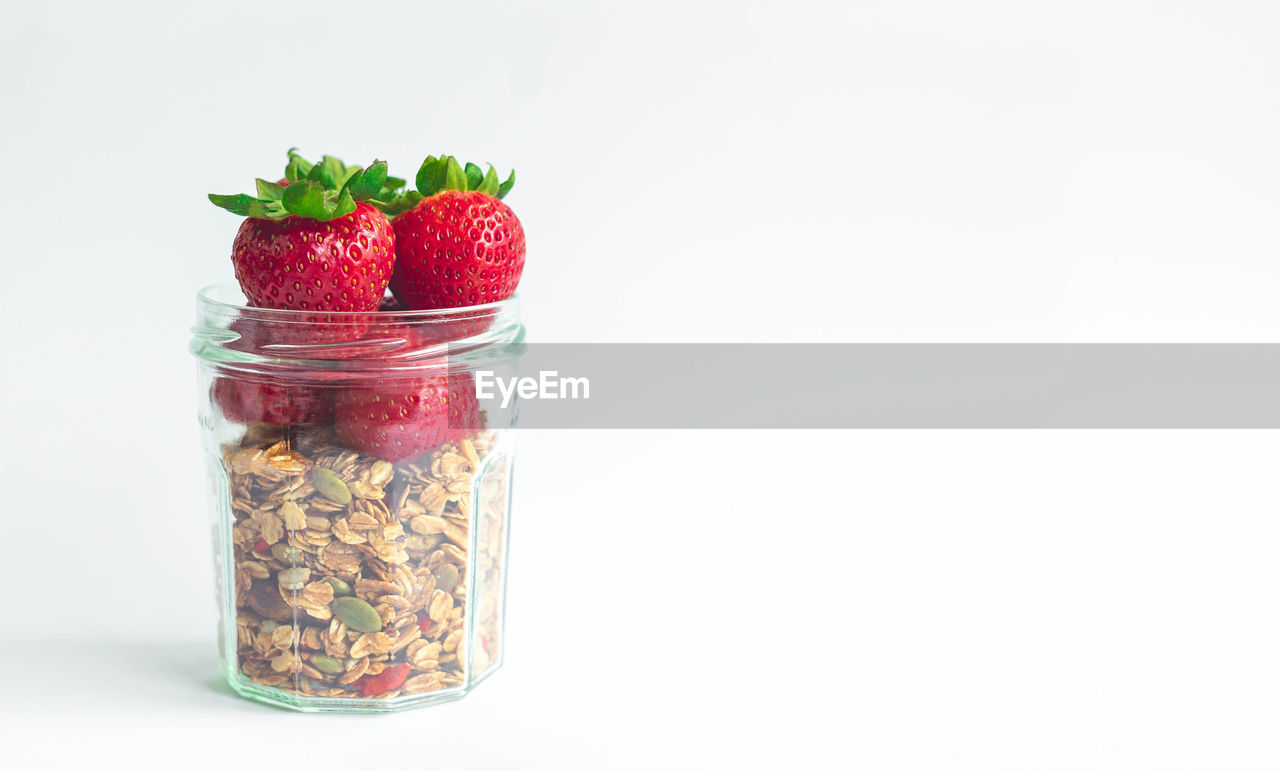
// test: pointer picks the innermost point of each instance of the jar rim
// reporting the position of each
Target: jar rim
(320, 343)
(211, 298)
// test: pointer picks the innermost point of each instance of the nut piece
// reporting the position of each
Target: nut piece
(292, 579)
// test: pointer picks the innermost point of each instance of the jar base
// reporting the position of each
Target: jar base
(296, 702)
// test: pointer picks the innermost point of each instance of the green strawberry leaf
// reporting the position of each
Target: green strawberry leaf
(236, 204)
(248, 206)
(298, 167)
(454, 177)
(305, 198)
(327, 172)
(348, 173)
(269, 191)
(367, 184)
(474, 175)
(392, 188)
(505, 187)
(489, 183)
(430, 178)
(398, 204)
(267, 210)
(321, 191)
(342, 206)
(435, 175)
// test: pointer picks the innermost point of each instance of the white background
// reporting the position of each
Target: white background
(746, 171)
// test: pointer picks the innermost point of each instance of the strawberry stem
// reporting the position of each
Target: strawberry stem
(320, 191)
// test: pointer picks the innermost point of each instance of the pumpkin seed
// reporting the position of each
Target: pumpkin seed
(447, 579)
(330, 485)
(357, 614)
(340, 588)
(285, 553)
(327, 664)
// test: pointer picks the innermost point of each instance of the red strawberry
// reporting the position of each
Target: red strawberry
(275, 403)
(342, 264)
(402, 418)
(456, 243)
(455, 326)
(271, 402)
(313, 244)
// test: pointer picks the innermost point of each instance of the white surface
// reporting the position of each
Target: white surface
(688, 171)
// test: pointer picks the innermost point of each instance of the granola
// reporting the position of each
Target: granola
(352, 575)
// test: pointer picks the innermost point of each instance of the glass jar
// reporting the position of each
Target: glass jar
(359, 500)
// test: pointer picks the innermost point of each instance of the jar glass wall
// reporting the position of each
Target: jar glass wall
(359, 499)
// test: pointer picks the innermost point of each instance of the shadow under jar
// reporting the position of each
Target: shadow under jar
(359, 499)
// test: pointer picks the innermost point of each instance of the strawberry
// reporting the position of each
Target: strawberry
(314, 243)
(398, 419)
(445, 329)
(271, 402)
(275, 403)
(457, 244)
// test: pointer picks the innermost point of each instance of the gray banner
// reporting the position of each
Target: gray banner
(883, 386)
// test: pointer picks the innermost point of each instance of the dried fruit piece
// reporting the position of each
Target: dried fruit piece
(357, 614)
(330, 485)
(266, 600)
(389, 679)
